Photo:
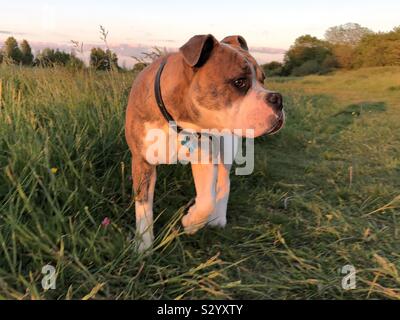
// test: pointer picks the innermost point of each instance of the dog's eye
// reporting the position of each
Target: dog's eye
(240, 83)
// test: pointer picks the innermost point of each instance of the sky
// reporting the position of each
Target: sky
(264, 24)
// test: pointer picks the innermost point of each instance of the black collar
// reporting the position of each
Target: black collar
(160, 103)
(159, 99)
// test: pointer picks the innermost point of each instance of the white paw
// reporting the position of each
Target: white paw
(190, 225)
(216, 220)
(195, 220)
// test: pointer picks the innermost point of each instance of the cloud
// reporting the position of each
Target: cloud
(163, 40)
(268, 50)
(7, 32)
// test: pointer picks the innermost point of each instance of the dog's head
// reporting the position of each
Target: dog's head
(227, 86)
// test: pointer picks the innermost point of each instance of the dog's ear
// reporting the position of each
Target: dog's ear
(236, 41)
(198, 49)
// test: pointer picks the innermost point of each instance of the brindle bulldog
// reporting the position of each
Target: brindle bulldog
(206, 85)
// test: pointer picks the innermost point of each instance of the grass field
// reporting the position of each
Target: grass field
(325, 193)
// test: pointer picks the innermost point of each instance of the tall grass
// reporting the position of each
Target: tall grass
(325, 193)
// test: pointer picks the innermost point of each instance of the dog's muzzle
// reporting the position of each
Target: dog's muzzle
(278, 124)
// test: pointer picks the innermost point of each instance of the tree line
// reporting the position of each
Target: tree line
(347, 46)
(16, 53)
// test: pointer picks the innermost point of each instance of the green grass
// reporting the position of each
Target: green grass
(325, 193)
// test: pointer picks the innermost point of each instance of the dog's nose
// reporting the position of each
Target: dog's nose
(275, 100)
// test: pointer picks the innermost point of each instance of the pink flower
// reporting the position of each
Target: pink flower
(106, 222)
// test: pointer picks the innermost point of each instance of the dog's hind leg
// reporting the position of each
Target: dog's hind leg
(205, 179)
(144, 180)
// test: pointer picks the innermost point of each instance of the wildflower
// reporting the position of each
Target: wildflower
(54, 170)
(106, 222)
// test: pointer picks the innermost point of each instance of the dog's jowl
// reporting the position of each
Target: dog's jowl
(209, 86)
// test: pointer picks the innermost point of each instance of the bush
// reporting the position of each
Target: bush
(328, 64)
(272, 69)
(308, 67)
(309, 55)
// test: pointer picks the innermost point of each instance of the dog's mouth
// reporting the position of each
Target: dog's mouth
(278, 125)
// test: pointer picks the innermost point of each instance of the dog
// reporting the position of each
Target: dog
(206, 84)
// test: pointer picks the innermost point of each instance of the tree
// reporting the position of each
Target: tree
(348, 34)
(139, 67)
(103, 60)
(305, 49)
(26, 53)
(344, 54)
(51, 58)
(75, 62)
(344, 39)
(11, 51)
(378, 49)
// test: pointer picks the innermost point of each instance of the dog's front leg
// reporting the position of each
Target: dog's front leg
(228, 151)
(205, 178)
(144, 180)
(218, 218)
